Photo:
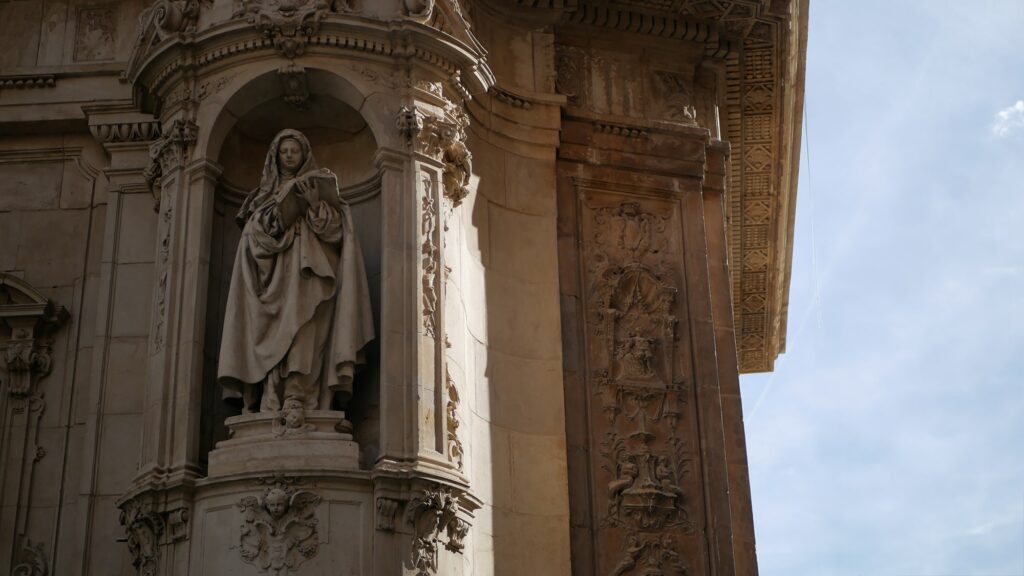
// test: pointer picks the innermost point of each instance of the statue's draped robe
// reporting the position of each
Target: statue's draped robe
(298, 306)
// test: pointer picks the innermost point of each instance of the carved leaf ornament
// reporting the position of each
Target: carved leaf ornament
(432, 514)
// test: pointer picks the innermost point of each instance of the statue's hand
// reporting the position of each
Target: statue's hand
(306, 188)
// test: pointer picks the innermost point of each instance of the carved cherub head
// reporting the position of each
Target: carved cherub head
(293, 413)
(276, 503)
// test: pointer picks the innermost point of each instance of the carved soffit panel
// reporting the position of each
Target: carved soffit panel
(666, 18)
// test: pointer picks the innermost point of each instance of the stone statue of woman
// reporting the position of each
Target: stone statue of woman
(298, 311)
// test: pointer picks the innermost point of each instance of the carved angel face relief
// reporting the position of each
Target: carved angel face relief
(279, 531)
(277, 503)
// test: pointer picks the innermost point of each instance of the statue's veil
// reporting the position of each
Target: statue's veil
(271, 176)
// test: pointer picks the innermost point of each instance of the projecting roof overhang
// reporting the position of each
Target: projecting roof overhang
(763, 45)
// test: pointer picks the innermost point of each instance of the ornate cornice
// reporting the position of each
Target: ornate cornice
(440, 40)
(760, 45)
(764, 100)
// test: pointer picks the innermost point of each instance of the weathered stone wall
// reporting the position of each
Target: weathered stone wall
(62, 232)
(510, 272)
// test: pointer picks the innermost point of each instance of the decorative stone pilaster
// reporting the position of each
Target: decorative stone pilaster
(26, 359)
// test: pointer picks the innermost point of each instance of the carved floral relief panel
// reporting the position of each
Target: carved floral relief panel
(647, 501)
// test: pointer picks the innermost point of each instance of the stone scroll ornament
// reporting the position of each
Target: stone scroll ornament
(443, 138)
(144, 527)
(298, 315)
(279, 529)
(432, 514)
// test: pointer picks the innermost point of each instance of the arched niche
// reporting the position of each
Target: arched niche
(343, 142)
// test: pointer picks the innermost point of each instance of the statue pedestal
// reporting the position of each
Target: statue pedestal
(269, 442)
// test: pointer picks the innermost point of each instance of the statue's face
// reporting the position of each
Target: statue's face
(289, 155)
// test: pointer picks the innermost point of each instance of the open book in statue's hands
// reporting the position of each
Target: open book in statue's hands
(305, 191)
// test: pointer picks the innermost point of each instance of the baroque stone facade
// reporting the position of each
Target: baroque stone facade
(575, 219)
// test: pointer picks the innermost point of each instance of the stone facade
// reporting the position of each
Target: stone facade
(575, 218)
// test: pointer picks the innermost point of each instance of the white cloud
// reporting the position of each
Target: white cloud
(1009, 119)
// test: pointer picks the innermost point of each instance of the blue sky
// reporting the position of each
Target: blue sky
(889, 441)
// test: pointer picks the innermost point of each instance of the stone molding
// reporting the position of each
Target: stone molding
(315, 26)
(28, 81)
(143, 131)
